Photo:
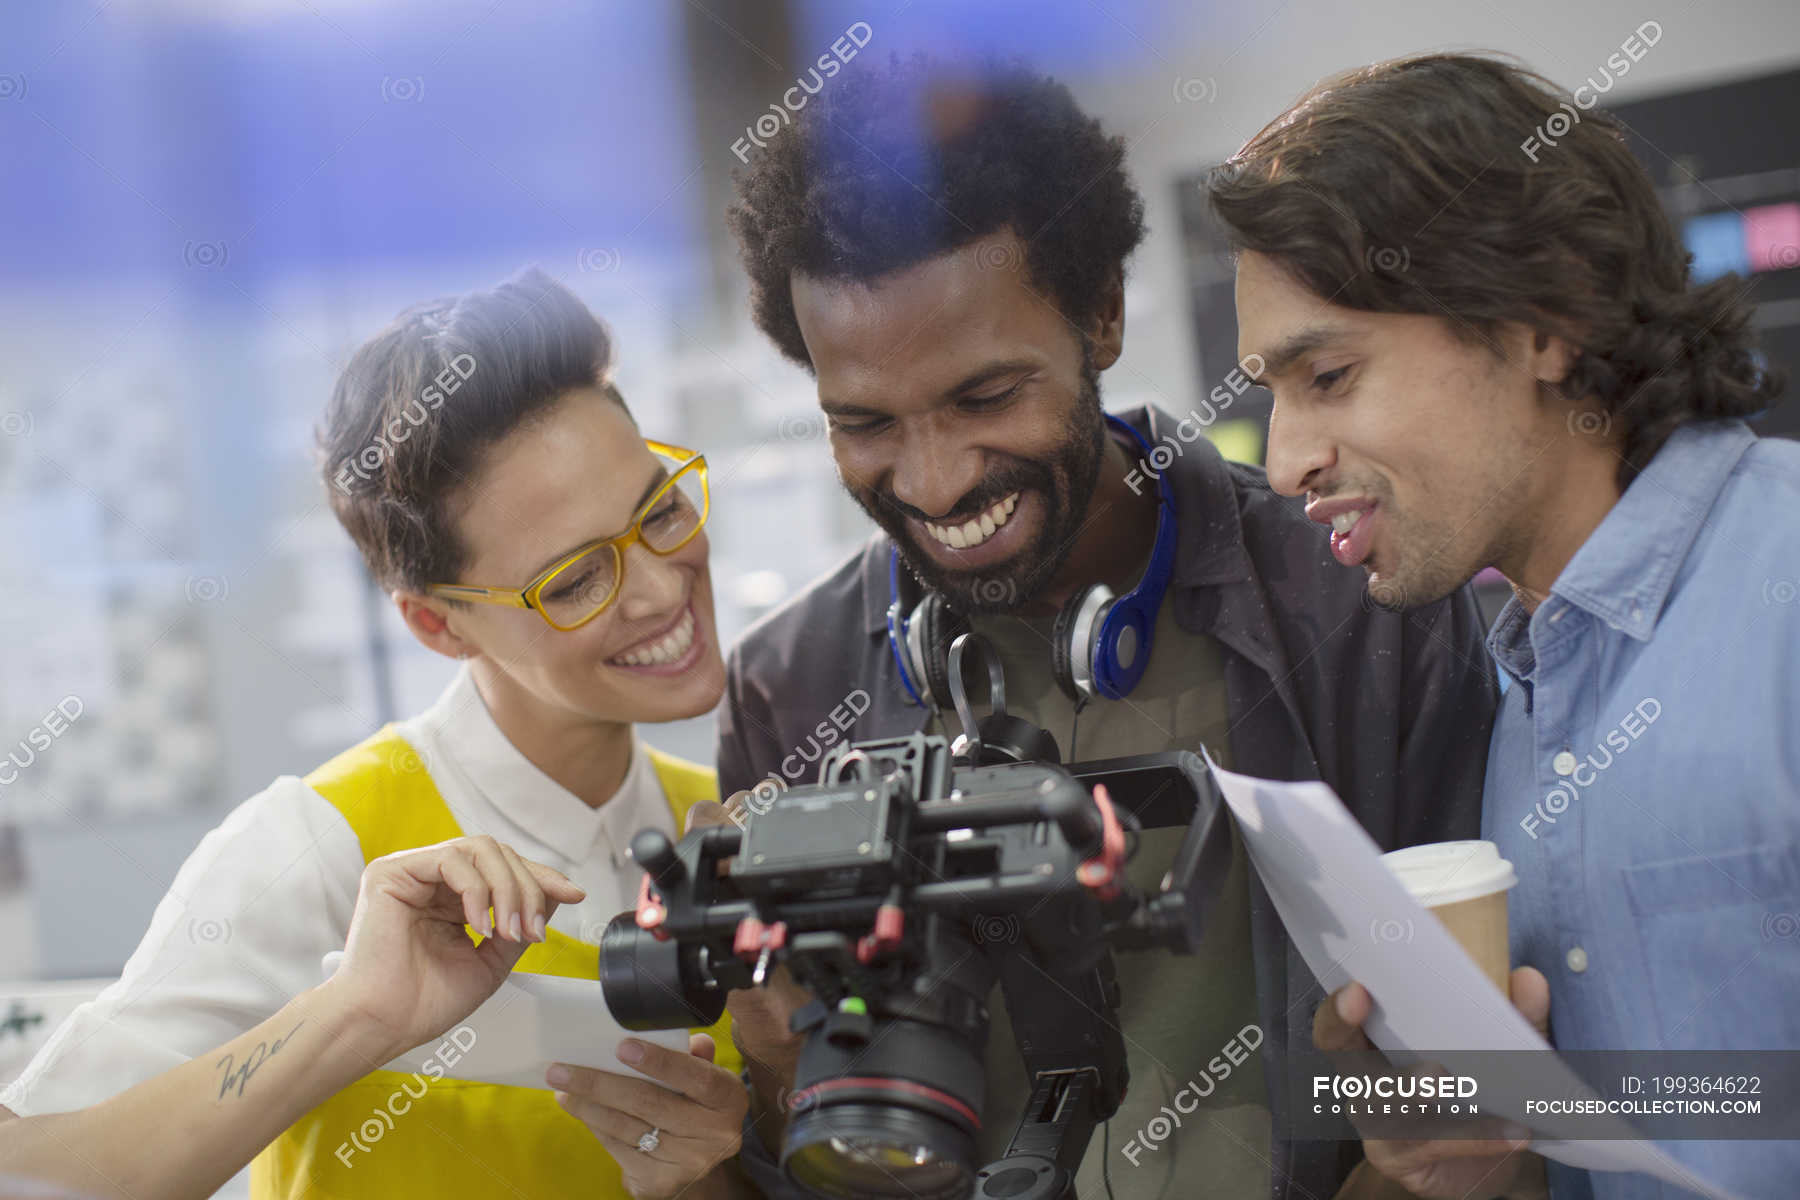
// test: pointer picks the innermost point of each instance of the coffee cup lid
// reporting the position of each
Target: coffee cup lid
(1448, 872)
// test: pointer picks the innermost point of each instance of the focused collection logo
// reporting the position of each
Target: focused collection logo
(1376, 1095)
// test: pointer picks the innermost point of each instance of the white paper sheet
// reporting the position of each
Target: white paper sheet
(531, 1022)
(1352, 920)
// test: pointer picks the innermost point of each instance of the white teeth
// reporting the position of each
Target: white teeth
(1345, 521)
(667, 649)
(976, 531)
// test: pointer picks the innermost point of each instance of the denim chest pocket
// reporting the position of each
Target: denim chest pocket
(1721, 941)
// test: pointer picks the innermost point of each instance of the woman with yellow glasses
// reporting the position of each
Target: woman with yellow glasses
(578, 587)
(499, 489)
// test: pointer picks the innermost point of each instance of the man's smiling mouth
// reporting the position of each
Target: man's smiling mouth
(977, 530)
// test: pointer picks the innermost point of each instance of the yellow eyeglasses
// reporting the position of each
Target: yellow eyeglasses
(580, 586)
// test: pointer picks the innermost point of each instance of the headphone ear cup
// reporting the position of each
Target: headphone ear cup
(1062, 651)
(938, 625)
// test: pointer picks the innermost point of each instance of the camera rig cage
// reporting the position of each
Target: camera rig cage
(899, 889)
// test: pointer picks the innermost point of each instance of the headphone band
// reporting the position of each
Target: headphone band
(1120, 651)
(899, 628)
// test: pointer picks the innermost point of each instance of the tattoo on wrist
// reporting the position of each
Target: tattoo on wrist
(238, 1075)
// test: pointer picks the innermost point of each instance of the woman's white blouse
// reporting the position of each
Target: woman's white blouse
(269, 893)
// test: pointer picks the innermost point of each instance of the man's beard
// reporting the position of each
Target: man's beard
(1066, 480)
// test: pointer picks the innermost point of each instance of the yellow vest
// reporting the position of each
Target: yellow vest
(449, 1137)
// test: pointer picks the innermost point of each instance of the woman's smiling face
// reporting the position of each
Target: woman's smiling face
(578, 472)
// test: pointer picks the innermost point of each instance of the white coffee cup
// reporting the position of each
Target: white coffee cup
(1464, 885)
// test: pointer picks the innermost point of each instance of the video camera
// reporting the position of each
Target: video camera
(881, 888)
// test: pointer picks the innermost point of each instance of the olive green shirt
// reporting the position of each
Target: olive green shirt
(1177, 1012)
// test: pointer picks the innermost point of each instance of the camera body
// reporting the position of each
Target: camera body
(899, 890)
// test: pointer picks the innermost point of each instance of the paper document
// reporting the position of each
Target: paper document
(1352, 920)
(531, 1022)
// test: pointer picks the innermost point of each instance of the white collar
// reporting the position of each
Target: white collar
(467, 743)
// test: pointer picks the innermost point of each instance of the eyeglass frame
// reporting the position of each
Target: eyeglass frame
(530, 595)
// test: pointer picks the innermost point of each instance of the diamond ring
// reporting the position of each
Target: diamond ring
(650, 1141)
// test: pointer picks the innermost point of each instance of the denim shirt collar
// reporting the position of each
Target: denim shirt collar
(1623, 572)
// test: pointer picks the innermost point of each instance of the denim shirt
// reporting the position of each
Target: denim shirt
(1644, 779)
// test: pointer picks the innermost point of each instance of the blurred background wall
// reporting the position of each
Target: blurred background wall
(208, 203)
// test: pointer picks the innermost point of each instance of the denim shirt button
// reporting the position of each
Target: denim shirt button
(1577, 959)
(1565, 763)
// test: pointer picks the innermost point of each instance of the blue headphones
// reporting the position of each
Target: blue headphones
(1100, 644)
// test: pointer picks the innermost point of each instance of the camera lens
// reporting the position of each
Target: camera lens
(652, 984)
(895, 1111)
(851, 1151)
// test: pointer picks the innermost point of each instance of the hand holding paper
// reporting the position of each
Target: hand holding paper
(1443, 1167)
(1353, 921)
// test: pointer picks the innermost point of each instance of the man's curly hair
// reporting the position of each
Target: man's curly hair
(1407, 187)
(890, 166)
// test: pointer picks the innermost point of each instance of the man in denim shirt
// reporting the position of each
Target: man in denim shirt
(1485, 351)
(1644, 776)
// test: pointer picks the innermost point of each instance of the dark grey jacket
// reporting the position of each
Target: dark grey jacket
(1392, 710)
